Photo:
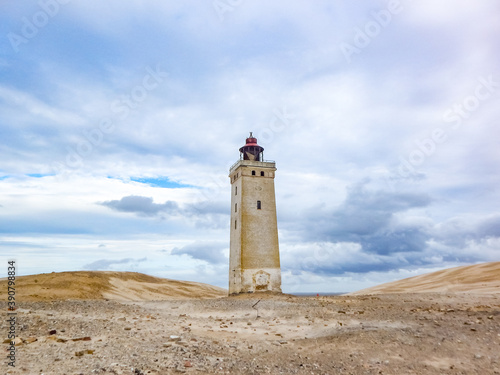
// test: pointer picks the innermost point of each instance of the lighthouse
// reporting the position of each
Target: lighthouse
(254, 260)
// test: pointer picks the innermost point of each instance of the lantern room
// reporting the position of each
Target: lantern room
(251, 150)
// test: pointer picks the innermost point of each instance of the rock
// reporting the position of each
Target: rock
(283, 342)
(79, 354)
(52, 332)
(128, 328)
(86, 338)
(6, 341)
(61, 340)
(174, 338)
(187, 364)
(90, 351)
(167, 345)
(17, 341)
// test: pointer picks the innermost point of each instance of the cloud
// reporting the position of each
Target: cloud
(211, 252)
(368, 217)
(143, 206)
(104, 264)
(380, 231)
(351, 122)
(204, 214)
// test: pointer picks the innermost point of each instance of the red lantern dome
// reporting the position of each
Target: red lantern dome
(251, 150)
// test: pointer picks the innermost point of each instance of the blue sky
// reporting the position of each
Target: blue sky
(119, 122)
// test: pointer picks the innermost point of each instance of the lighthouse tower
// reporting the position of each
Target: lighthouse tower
(254, 260)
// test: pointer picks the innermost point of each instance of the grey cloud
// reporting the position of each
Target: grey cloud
(143, 206)
(366, 217)
(367, 235)
(489, 227)
(458, 231)
(205, 214)
(212, 252)
(103, 264)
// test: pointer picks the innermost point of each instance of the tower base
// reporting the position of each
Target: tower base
(257, 280)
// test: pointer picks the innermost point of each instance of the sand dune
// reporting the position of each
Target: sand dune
(118, 286)
(481, 278)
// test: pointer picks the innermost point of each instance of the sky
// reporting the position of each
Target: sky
(119, 121)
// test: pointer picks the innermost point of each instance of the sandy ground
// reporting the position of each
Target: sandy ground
(92, 323)
(119, 286)
(383, 334)
(481, 278)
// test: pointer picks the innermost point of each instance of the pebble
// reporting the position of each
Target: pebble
(86, 338)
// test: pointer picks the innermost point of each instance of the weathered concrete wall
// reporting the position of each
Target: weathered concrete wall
(254, 248)
(235, 237)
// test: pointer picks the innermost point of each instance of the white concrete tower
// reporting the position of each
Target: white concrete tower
(254, 259)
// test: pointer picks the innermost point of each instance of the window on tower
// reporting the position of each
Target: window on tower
(262, 173)
(259, 205)
(236, 190)
(235, 224)
(236, 207)
(253, 173)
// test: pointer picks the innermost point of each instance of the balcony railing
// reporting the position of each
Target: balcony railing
(252, 162)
